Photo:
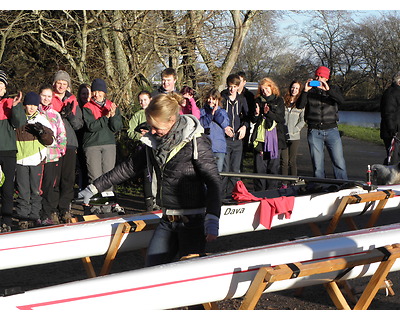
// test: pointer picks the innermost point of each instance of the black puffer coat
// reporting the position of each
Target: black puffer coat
(390, 112)
(321, 107)
(184, 182)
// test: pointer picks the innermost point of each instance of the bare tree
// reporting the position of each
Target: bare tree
(241, 23)
(378, 39)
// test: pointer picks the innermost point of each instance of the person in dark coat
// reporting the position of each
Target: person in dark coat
(237, 110)
(390, 120)
(12, 116)
(188, 183)
(269, 136)
(321, 101)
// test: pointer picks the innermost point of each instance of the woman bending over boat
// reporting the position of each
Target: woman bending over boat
(188, 183)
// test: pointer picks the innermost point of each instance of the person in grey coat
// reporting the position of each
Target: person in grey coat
(294, 121)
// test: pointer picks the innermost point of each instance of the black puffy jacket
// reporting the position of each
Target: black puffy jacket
(390, 112)
(321, 107)
(186, 181)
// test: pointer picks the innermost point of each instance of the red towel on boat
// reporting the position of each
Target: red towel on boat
(268, 207)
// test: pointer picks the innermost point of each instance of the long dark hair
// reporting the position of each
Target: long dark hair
(288, 97)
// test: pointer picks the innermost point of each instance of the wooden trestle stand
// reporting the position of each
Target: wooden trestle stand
(381, 196)
(122, 230)
(267, 275)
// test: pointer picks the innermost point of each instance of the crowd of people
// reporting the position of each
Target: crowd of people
(47, 135)
(52, 134)
(183, 148)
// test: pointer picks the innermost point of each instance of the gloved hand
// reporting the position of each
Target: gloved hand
(39, 128)
(87, 193)
(67, 110)
(36, 129)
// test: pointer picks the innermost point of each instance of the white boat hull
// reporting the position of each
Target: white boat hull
(206, 279)
(93, 238)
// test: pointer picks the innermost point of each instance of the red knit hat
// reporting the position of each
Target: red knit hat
(323, 72)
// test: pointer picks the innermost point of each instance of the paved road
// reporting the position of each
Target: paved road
(358, 155)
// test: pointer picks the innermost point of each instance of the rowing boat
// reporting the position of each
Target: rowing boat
(206, 279)
(93, 238)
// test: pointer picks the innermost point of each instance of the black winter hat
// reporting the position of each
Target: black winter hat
(99, 85)
(31, 99)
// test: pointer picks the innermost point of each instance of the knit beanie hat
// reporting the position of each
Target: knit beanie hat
(3, 77)
(99, 85)
(62, 75)
(323, 72)
(31, 99)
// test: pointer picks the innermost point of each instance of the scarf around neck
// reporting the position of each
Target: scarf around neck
(168, 142)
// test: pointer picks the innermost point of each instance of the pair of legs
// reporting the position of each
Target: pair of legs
(8, 165)
(392, 148)
(99, 160)
(29, 201)
(289, 158)
(67, 165)
(172, 239)
(329, 138)
(264, 164)
(51, 189)
(232, 163)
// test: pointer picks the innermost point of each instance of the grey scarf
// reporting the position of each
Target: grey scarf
(168, 142)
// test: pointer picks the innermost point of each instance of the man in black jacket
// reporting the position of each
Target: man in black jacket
(321, 101)
(237, 109)
(390, 119)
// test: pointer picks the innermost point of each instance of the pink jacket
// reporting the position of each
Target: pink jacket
(57, 149)
(191, 108)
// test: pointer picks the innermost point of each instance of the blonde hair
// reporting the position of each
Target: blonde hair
(163, 107)
(270, 83)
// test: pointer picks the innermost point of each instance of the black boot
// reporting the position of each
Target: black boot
(149, 203)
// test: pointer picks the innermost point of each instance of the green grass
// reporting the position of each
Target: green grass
(361, 133)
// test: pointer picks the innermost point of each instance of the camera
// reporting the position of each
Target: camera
(314, 83)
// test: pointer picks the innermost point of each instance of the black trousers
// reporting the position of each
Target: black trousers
(50, 188)
(67, 180)
(264, 164)
(8, 166)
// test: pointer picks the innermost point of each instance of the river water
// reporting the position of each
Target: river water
(360, 118)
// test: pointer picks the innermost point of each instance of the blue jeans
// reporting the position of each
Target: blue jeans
(329, 138)
(172, 238)
(219, 158)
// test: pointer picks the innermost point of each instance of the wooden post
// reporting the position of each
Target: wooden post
(87, 264)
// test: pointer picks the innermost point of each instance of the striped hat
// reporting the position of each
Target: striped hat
(3, 77)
